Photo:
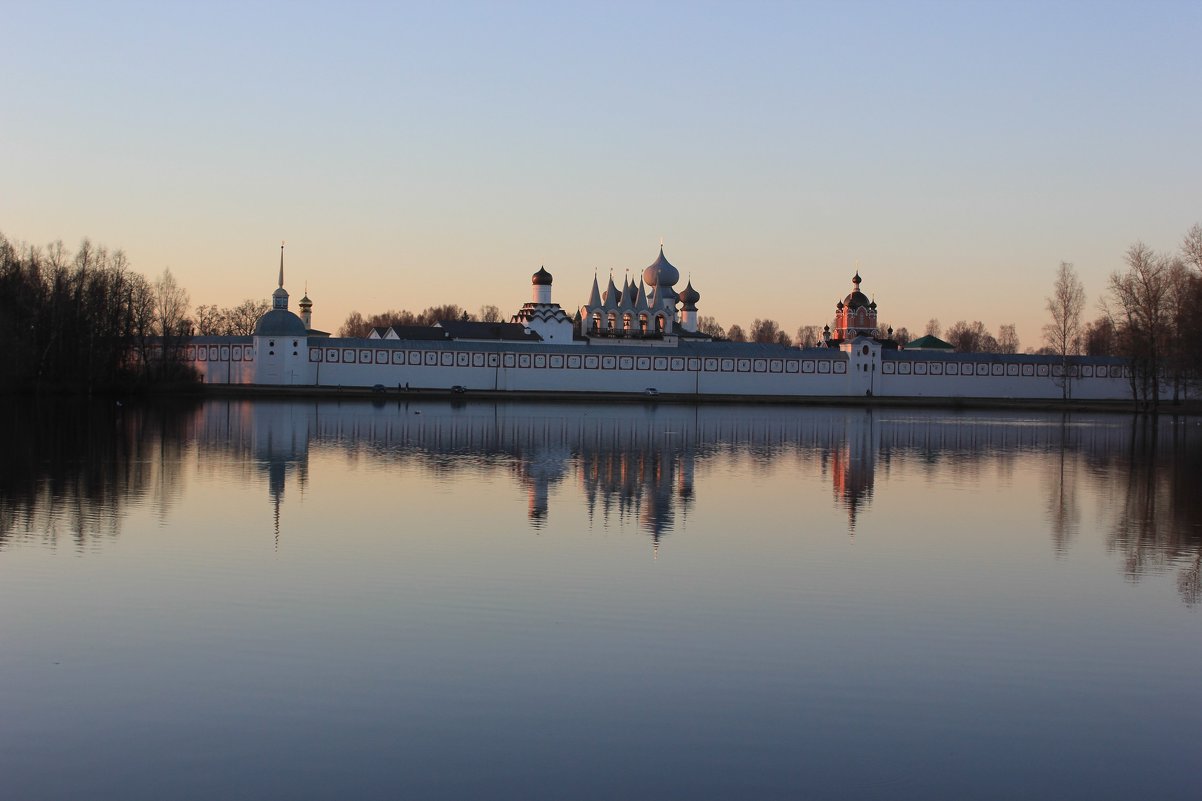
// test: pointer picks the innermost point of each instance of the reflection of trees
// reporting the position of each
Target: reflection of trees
(1064, 513)
(1157, 525)
(75, 468)
(72, 468)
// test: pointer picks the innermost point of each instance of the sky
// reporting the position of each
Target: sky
(426, 153)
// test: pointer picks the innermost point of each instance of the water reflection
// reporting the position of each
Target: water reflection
(73, 470)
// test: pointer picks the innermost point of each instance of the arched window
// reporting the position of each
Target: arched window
(597, 321)
(659, 323)
(626, 321)
(643, 323)
(613, 321)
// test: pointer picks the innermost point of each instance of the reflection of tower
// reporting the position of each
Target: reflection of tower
(540, 469)
(281, 444)
(853, 466)
(638, 475)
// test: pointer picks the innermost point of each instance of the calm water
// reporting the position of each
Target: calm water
(356, 600)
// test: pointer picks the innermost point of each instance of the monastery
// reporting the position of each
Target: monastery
(641, 339)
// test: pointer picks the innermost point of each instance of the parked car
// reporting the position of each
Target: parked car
(459, 389)
(651, 392)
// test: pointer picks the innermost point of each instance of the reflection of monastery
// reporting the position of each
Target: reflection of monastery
(638, 338)
(634, 465)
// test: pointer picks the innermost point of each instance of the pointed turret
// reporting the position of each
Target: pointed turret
(611, 295)
(640, 303)
(594, 297)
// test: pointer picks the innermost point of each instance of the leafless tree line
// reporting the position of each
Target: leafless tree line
(84, 321)
(231, 321)
(1151, 315)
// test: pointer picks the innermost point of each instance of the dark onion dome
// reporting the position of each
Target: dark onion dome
(541, 278)
(280, 323)
(690, 296)
(857, 298)
(661, 272)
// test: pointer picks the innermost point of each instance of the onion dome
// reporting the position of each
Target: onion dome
(689, 297)
(305, 303)
(661, 272)
(856, 299)
(541, 278)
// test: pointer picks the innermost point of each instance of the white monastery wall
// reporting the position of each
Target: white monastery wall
(850, 372)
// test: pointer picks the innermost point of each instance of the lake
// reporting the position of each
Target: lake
(423, 599)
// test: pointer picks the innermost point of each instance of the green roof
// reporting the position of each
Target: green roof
(929, 343)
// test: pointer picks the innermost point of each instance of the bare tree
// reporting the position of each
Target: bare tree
(209, 320)
(1063, 333)
(971, 337)
(1191, 247)
(1065, 304)
(900, 335)
(710, 327)
(808, 336)
(735, 333)
(933, 329)
(768, 331)
(489, 314)
(1139, 300)
(1099, 338)
(240, 320)
(354, 326)
(1007, 339)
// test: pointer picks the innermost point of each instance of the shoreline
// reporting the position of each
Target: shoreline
(1188, 408)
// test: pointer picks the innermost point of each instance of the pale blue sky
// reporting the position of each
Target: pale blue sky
(439, 153)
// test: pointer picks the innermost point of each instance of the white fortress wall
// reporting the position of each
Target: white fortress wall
(705, 369)
(985, 375)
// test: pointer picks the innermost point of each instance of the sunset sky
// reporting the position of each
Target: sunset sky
(419, 154)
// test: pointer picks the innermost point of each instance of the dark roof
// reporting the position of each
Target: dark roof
(856, 299)
(420, 332)
(469, 329)
(280, 323)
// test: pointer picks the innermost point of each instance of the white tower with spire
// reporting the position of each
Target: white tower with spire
(281, 341)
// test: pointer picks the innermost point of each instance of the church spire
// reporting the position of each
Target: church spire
(279, 298)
